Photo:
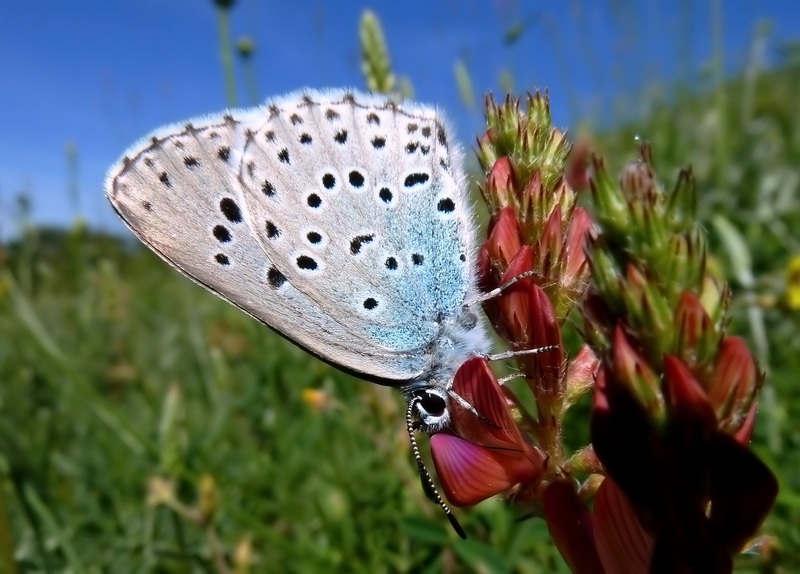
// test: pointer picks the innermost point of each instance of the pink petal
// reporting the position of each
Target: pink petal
(622, 543)
(470, 473)
(476, 384)
(570, 525)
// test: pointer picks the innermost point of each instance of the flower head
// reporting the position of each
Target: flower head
(674, 396)
(674, 391)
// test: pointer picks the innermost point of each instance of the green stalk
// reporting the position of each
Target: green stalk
(226, 53)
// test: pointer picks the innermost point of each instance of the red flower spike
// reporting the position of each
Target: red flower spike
(733, 384)
(571, 527)
(622, 544)
(481, 455)
(533, 196)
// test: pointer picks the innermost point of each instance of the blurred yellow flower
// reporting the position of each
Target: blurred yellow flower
(243, 555)
(793, 283)
(317, 399)
(159, 491)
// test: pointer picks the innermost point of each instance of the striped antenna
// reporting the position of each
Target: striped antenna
(427, 482)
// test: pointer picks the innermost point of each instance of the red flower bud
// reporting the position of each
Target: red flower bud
(533, 197)
(527, 320)
(733, 384)
(580, 227)
(580, 374)
(504, 240)
(692, 323)
(689, 409)
(631, 370)
(514, 306)
(486, 280)
(548, 247)
(577, 168)
(501, 185)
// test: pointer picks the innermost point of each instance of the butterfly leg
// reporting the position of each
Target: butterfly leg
(497, 291)
(511, 354)
(508, 378)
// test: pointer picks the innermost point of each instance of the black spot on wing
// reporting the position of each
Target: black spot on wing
(306, 262)
(446, 205)
(222, 233)
(413, 179)
(230, 209)
(275, 277)
(359, 241)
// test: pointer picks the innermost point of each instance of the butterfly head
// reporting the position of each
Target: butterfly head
(430, 406)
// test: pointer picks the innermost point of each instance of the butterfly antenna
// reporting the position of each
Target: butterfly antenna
(424, 475)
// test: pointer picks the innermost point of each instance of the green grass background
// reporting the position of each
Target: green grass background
(115, 371)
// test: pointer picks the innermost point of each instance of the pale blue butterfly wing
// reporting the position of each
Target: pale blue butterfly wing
(339, 219)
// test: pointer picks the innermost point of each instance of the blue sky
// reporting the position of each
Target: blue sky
(103, 73)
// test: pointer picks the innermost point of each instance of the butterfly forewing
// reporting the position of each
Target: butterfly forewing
(337, 219)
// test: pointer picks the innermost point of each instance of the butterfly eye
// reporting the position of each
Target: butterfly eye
(432, 404)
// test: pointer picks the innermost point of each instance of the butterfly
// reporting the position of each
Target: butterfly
(337, 218)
